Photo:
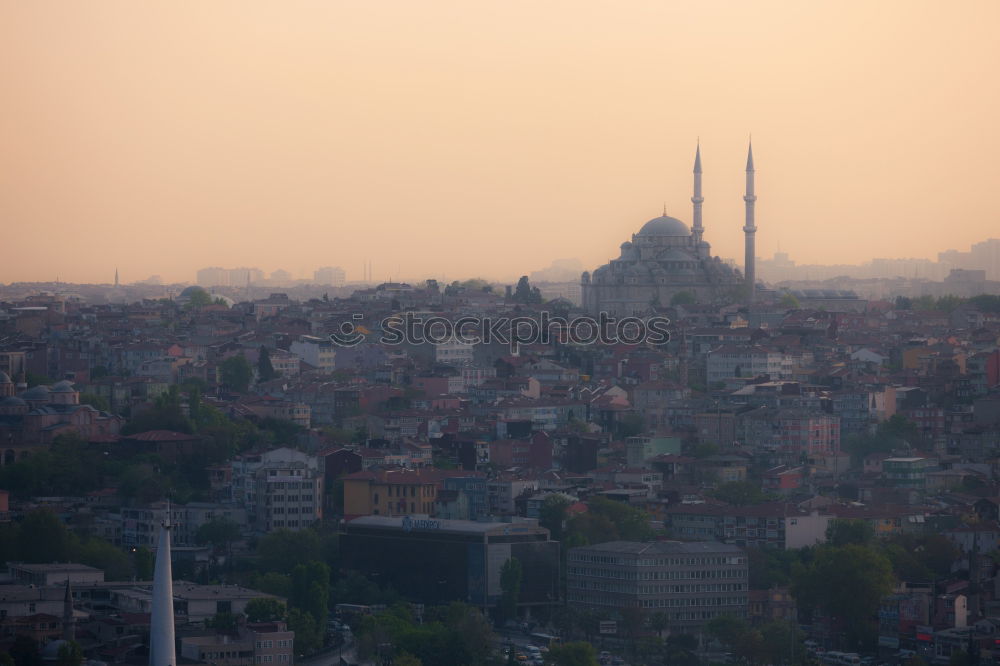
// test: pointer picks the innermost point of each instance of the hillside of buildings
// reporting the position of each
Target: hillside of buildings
(810, 478)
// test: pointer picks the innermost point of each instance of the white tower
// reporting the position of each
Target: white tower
(696, 228)
(750, 230)
(161, 629)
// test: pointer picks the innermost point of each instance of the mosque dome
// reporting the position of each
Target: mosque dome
(664, 226)
(65, 386)
(5, 378)
(51, 650)
(12, 401)
(39, 392)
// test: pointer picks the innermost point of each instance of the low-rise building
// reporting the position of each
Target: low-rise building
(55, 573)
(691, 583)
(254, 643)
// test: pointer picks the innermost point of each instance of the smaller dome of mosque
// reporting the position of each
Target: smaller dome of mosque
(51, 650)
(36, 393)
(65, 386)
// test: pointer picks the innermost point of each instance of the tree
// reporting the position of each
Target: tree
(224, 623)
(784, 642)
(751, 647)
(633, 618)
(683, 298)
(960, 658)
(525, 293)
(282, 550)
(265, 371)
(69, 654)
(739, 493)
(789, 301)
(143, 483)
(577, 653)
(679, 650)
(308, 637)
(25, 651)
(144, 563)
(198, 298)
(265, 609)
(406, 659)
(847, 582)
(608, 520)
(552, 515)
(629, 425)
(727, 629)
(705, 450)
(770, 567)
(235, 373)
(470, 637)
(167, 413)
(273, 583)
(44, 538)
(658, 621)
(220, 532)
(98, 402)
(101, 554)
(311, 590)
(843, 532)
(510, 585)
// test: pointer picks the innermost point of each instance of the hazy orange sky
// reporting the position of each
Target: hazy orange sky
(464, 138)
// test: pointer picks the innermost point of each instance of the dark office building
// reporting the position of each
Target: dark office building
(434, 561)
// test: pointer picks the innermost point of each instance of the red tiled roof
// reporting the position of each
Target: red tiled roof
(161, 436)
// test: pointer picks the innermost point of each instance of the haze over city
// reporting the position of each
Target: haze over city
(473, 139)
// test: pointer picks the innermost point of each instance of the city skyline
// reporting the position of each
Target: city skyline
(447, 140)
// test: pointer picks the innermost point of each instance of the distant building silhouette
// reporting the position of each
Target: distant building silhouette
(331, 275)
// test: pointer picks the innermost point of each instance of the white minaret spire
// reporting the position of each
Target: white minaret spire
(750, 230)
(696, 229)
(161, 630)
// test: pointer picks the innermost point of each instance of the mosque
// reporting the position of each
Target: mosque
(665, 258)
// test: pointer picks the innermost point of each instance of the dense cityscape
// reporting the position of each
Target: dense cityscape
(447, 333)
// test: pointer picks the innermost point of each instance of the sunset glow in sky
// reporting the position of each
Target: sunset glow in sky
(466, 138)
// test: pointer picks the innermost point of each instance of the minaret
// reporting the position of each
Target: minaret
(696, 229)
(750, 230)
(161, 621)
(68, 620)
(116, 278)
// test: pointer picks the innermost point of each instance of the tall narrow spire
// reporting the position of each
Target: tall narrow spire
(750, 231)
(68, 620)
(116, 276)
(162, 651)
(696, 229)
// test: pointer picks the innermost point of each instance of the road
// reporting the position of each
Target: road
(348, 652)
